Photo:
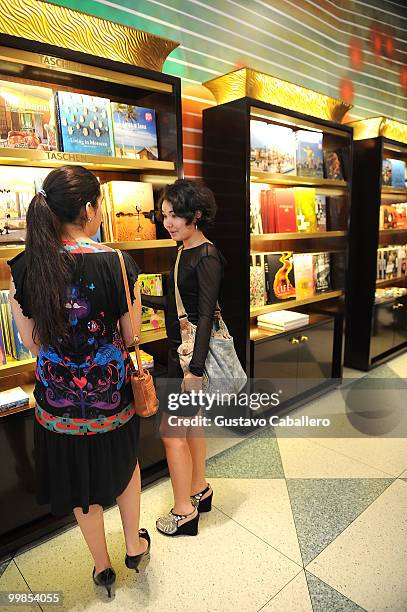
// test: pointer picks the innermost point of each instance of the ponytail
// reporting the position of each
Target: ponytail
(49, 269)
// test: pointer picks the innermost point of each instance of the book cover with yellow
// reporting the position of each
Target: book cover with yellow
(305, 209)
(132, 210)
(304, 275)
(151, 284)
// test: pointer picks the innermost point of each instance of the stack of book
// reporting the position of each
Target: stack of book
(13, 398)
(283, 320)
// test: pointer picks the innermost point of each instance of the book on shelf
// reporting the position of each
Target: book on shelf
(283, 320)
(394, 173)
(322, 272)
(256, 217)
(304, 275)
(338, 270)
(135, 131)
(333, 164)
(320, 212)
(281, 202)
(85, 123)
(147, 360)
(309, 153)
(129, 211)
(257, 280)
(400, 214)
(279, 275)
(272, 148)
(387, 217)
(13, 345)
(336, 213)
(13, 398)
(27, 117)
(151, 284)
(3, 359)
(305, 208)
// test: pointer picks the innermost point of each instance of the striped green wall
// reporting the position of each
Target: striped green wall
(354, 49)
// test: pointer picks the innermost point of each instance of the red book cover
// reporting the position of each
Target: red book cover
(263, 210)
(271, 222)
(284, 210)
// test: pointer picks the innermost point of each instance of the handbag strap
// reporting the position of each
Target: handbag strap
(182, 314)
(131, 314)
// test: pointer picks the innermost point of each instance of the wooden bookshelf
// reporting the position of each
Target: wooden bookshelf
(389, 281)
(288, 304)
(292, 180)
(258, 333)
(393, 231)
(56, 159)
(17, 367)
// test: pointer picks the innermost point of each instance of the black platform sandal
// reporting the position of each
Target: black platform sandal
(106, 579)
(168, 525)
(202, 505)
(133, 562)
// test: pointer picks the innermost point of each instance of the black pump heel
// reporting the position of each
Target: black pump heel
(133, 562)
(106, 579)
(203, 505)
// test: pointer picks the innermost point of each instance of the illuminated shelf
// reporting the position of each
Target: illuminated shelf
(394, 191)
(297, 236)
(8, 252)
(17, 367)
(288, 304)
(389, 232)
(141, 244)
(55, 159)
(258, 176)
(153, 335)
(257, 333)
(386, 281)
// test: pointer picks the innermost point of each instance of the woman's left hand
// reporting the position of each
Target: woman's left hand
(191, 382)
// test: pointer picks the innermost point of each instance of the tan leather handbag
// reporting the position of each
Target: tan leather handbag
(145, 396)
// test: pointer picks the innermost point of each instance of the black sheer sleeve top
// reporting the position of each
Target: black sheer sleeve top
(200, 273)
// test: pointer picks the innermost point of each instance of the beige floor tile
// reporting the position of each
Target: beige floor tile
(225, 568)
(294, 597)
(399, 365)
(386, 454)
(368, 561)
(216, 445)
(302, 458)
(12, 580)
(263, 507)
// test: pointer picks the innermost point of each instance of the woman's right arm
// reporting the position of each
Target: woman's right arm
(158, 302)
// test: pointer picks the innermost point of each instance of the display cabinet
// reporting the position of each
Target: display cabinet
(376, 319)
(80, 69)
(311, 357)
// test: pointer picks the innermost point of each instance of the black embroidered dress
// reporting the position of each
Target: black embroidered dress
(85, 431)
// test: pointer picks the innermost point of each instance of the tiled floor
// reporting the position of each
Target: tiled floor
(301, 522)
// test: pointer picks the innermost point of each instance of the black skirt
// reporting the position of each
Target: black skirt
(78, 471)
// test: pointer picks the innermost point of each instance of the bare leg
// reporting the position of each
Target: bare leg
(197, 447)
(180, 466)
(93, 530)
(129, 506)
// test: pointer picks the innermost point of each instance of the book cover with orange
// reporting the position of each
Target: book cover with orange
(305, 209)
(132, 207)
(279, 273)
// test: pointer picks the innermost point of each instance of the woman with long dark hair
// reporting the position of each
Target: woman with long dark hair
(187, 209)
(67, 296)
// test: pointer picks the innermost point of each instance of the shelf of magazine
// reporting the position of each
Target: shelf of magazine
(285, 304)
(13, 367)
(55, 159)
(8, 252)
(258, 176)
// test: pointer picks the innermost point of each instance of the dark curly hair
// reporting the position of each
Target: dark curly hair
(187, 197)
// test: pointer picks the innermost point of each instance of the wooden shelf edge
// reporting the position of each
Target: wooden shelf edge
(394, 230)
(288, 304)
(258, 176)
(258, 334)
(394, 190)
(384, 281)
(55, 159)
(17, 367)
(298, 235)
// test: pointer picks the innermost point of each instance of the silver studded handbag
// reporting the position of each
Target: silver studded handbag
(223, 372)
